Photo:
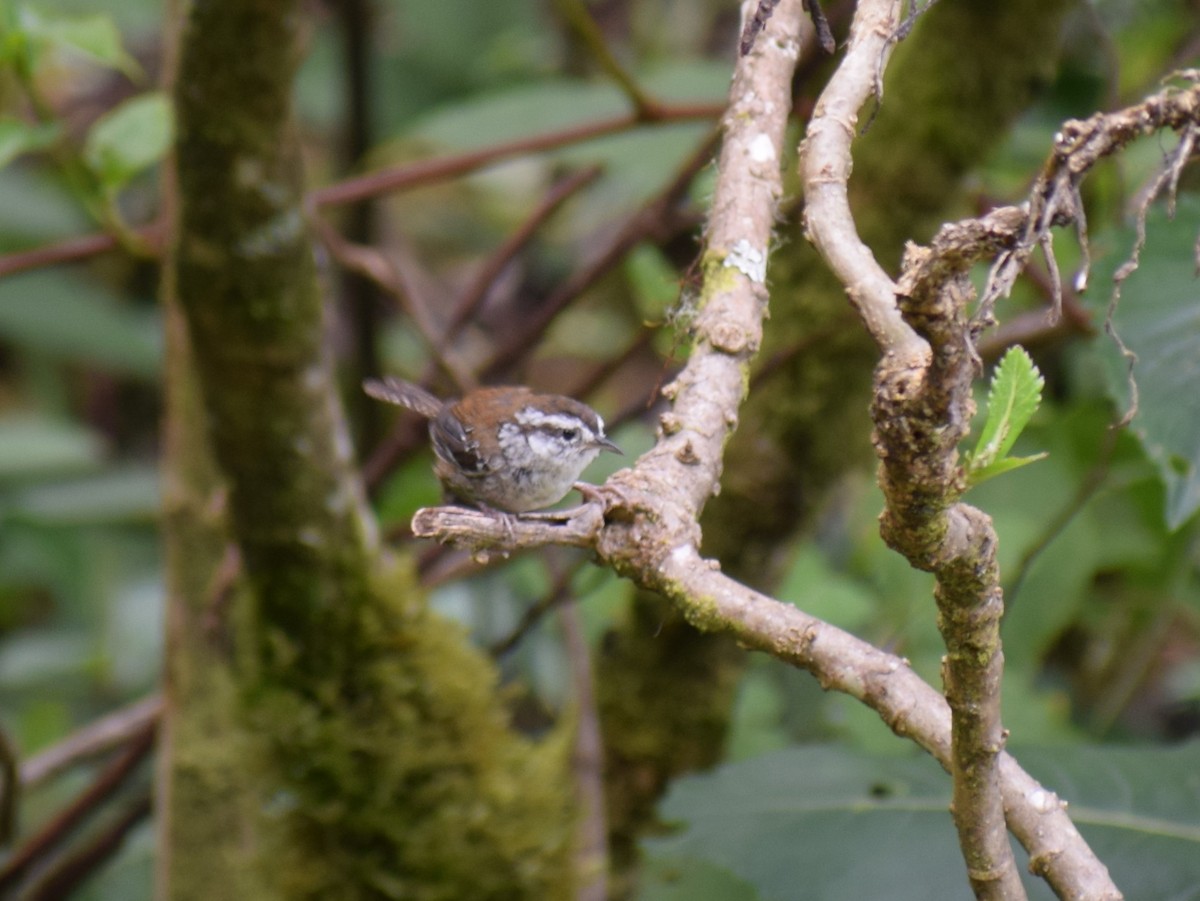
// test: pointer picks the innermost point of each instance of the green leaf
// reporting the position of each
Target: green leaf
(1014, 397)
(32, 446)
(129, 495)
(1158, 317)
(129, 139)
(692, 880)
(840, 823)
(77, 319)
(653, 280)
(17, 137)
(843, 824)
(94, 36)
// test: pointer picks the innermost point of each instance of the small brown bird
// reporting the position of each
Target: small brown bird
(504, 448)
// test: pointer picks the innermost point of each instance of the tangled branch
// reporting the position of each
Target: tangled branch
(645, 523)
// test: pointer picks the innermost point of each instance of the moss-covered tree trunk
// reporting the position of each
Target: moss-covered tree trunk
(326, 731)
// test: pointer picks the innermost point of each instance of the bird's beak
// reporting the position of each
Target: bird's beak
(605, 444)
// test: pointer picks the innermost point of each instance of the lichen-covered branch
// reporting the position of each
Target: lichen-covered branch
(920, 416)
(826, 168)
(1078, 146)
(921, 410)
(664, 558)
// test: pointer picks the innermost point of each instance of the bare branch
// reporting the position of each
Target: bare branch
(840, 661)
(482, 532)
(826, 170)
(1054, 199)
(587, 765)
(384, 181)
(75, 866)
(922, 409)
(476, 292)
(426, 172)
(652, 219)
(95, 738)
(69, 250)
(55, 832)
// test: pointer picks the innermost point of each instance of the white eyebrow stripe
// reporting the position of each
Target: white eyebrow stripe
(531, 416)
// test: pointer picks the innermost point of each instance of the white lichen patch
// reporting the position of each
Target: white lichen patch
(748, 260)
(762, 149)
(1043, 801)
(278, 233)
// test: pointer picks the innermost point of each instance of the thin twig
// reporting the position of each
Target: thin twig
(475, 293)
(587, 764)
(559, 593)
(652, 219)
(396, 272)
(106, 784)
(821, 26)
(65, 875)
(97, 737)
(69, 250)
(576, 15)
(426, 172)
(754, 24)
(1090, 484)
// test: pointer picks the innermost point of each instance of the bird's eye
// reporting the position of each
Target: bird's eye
(569, 434)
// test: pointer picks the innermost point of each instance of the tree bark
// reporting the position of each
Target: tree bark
(365, 742)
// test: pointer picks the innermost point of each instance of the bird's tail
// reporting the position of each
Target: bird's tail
(397, 391)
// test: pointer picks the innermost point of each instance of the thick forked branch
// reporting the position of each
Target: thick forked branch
(922, 409)
(826, 170)
(648, 530)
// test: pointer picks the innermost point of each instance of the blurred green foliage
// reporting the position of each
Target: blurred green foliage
(1098, 541)
(782, 822)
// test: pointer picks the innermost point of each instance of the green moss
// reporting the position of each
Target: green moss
(702, 613)
(401, 779)
(210, 775)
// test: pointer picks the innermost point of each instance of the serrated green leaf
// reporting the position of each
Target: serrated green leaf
(129, 138)
(94, 36)
(17, 137)
(1013, 398)
(1159, 319)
